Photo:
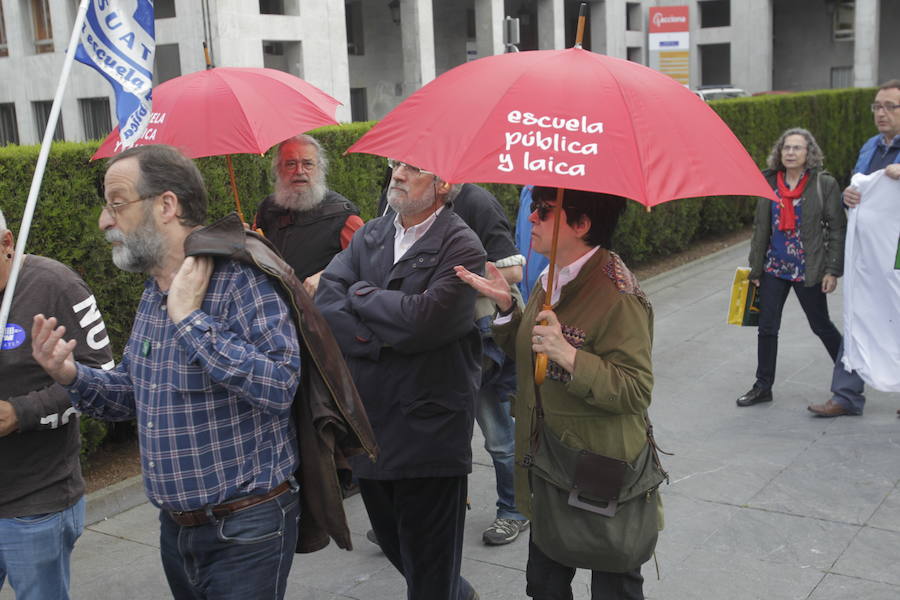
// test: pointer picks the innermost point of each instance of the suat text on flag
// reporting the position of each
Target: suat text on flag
(118, 39)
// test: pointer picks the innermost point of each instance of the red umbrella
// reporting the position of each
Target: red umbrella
(231, 110)
(572, 119)
(568, 119)
(227, 110)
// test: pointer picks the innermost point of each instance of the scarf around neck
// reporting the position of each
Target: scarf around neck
(788, 216)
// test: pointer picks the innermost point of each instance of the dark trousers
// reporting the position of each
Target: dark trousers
(546, 579)
(773, 293)
(247, 554)
(419, 525)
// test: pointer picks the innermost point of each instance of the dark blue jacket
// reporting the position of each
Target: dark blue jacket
(409, 336)
(866, 153)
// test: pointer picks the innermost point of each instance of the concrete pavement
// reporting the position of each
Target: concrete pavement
(766, 502)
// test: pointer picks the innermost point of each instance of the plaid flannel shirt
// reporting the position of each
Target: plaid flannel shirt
(212, 394)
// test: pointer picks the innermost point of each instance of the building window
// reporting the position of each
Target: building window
(164, 9)
(353, 12)
(9, 130)
(715, 13)
(715, 64)
(284, 56)
(4, 48)
(41, 26)
(841, 77)
(635, 54)
(166, 63)
(633, 20)
(279, 7)
(844, 21)
(96, 117)
(359, 107)
(42, 115)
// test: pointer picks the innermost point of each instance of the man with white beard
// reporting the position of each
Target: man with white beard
(304, 220)
(407, 330)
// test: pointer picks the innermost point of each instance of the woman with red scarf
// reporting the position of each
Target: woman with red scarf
(798, 243)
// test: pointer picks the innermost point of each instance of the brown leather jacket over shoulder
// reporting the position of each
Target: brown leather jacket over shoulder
(328, 412)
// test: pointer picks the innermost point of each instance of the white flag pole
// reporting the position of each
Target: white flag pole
(39, 169)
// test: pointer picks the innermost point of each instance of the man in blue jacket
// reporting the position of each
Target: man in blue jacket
(881, 151)
(406, 326)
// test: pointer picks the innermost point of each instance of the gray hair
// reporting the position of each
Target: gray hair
(455, 188)
(165, 169)
(306, 140)
(814, 156)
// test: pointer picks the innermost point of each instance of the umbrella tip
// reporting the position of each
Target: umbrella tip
(582, 17)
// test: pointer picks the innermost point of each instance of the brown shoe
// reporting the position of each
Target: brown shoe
(829, 409)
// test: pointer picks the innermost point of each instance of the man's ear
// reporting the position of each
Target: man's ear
(170, 206)
(582, 227)
(6, 241)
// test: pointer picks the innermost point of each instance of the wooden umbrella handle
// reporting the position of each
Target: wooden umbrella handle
(540, 359)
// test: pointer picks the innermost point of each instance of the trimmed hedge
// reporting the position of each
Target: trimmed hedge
(65, 223)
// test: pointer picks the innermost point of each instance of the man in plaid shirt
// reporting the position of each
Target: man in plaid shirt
(209, 372)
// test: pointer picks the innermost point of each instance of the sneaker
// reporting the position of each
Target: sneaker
(504, 531)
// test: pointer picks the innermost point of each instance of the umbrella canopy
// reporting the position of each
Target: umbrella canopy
(229, 110)
(572, 119)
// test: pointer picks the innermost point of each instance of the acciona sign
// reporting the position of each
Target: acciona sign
(659, 19)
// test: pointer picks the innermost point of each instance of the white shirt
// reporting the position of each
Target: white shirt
(405, 238)
(872, 285)
(563, 276)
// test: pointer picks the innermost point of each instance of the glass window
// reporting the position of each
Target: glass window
(715, 13)
(42, 28)
(9, 130)
(42, 115)
(96, 117)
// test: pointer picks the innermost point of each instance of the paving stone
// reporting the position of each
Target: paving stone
(838, 587)
(874, 554)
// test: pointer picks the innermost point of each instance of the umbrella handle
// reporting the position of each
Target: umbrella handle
(540, 368)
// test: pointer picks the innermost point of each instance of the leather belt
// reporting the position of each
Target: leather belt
(193, 518)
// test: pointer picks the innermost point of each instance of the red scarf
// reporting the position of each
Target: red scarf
(788, 218)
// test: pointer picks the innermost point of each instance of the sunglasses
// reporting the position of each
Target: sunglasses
(542, 208)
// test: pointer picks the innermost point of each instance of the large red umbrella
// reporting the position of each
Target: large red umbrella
(228, 110)
(568, 119)
(572, 119)
(231, 110)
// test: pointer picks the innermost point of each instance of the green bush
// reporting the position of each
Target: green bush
(65, 222)
(92, 434)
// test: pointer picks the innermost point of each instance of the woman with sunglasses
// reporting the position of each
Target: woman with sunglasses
(599, 375)
(798, 243)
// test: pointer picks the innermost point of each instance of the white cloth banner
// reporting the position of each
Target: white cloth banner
(872, 285)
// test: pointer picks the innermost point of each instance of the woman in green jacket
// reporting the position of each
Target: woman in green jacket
(798, 243)
(599, 378)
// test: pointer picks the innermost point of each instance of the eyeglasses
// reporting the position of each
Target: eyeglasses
(787, 148)
(396, 164)
(542, 208)
(887, 107)
(307, 166)
(112, 208)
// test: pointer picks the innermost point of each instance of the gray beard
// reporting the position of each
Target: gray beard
(307, 199)
(403, 205)
(140, 251)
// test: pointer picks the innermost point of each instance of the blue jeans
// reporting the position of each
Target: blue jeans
(498, 427)
(773, 293)
(35, 551)
(847, 387)
(247, 554)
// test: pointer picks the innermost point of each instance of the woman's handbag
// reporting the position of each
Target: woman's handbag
(743, 306)
(591, 511)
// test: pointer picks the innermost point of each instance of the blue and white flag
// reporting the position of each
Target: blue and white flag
(119, 40)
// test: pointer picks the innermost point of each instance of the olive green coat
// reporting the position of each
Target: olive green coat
(823, 225)
(601, 408)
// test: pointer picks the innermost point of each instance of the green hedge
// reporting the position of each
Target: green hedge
(65, 223)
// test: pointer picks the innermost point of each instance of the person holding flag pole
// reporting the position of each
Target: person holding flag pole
(117, 38)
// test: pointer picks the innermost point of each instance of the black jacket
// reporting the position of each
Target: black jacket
(407, 331)
(328, 413)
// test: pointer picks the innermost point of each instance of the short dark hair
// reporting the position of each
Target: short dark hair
(603, 211)
(165, 169)
(890, 84)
